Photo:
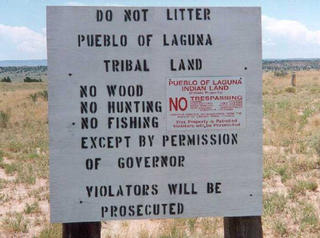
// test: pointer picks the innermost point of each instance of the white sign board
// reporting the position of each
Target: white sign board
(154, 112)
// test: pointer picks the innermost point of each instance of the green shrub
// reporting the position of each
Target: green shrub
(281, 73)
(4, 119)
(15, 223)
(274, 203)
(309, 217)
(31, 80)
(44, 95)
(315, 143)
(301, 187)
(33, 97)
(51, 231)
(32, 208)
(6, 80)
(291, 90)
(280, 228)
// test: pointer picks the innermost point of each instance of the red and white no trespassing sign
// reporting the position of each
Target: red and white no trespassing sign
(206, 103)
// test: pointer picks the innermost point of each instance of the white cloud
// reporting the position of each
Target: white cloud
(26, 41)
(281, 38)
(268, 42)
(92, 4)
(288, 30)
(75, 4)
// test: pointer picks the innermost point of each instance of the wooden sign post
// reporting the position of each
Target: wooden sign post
(293, 79)
(234, 227)
(81, 230)
(154, 112)
(243, 227)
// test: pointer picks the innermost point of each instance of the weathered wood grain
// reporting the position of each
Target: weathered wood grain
(243, 227)
(81, 230)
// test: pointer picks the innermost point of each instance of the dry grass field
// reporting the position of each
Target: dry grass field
(291, 166)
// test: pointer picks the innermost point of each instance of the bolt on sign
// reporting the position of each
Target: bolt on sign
(154, 112)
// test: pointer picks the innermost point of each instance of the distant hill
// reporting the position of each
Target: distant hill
(6, 63)
(17, 70)
(290, 64)
(19, 73)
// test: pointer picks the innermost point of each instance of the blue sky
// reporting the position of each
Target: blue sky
(291, 28)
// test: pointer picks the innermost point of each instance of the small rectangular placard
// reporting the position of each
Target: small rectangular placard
(195, 103)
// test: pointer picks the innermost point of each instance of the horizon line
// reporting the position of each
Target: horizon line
(293, 58)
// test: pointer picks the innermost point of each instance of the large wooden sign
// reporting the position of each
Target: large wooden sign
(154, 112)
